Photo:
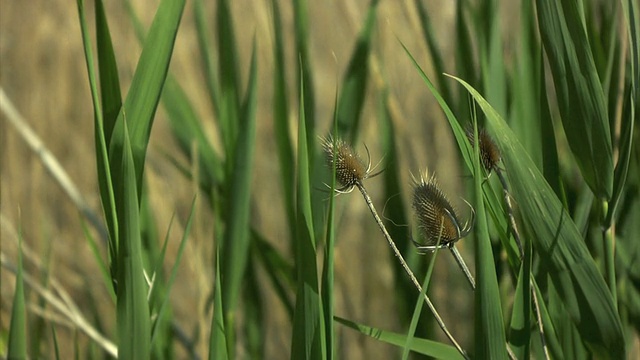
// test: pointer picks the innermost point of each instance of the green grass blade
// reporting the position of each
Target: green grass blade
(305, 77)
(146, 87)
(520, 333)
(279, 270)
(489, 329)
(582, 288)
(187, 128)
(422, 346)
(95, 250)
(206, 55)
(434, 50)
(328, 266)
(354, 84)
(236, 238)
(56, 347)
(174, 269)
(17, 342)
(281, 122)
(133, 321)
(308, 333)
(580, 95)
(229, 78)
(492, 67)
(104, 171)
(108, 69)
(218, 338)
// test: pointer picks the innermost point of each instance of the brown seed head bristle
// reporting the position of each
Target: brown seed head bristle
(436, 217)
(489, 153)
(350, 169)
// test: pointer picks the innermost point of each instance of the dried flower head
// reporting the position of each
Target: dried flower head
(350, 169)
(489, 153)
(437, 219)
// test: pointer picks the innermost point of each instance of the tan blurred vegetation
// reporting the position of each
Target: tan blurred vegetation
(42, 70)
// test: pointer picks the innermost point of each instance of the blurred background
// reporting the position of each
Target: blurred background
(43, 73)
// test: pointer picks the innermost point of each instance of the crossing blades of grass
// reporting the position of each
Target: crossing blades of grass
(580, 95)
(422, 346)
(557, 240)
(146, 87)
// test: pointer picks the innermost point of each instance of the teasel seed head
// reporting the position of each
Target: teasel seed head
(437, 220)
(350, 169)
(489, 153)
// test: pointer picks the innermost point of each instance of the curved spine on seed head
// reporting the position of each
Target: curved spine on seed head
(350, 169)
(489, 152)
(437, 219)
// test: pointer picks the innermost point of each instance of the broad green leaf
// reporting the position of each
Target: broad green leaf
(308, 334)
(133, 323)
(146, 87)
(422, 346)
(557, 240)
(579, 93)
(354, 84)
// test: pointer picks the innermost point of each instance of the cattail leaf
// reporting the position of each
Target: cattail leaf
(235, 247)
(17, 342)
(308, 333)
(579, 93)
(581, 287)
(218, 335)
(490, 338)
(354, 85)
(146, 87)
(133, 321)
(422, 346)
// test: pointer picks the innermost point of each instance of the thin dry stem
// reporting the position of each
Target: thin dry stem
(404, 264)
(463, 266)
